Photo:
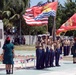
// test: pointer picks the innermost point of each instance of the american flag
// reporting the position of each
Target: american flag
(30, 19)
(46, 14)
(38, 15)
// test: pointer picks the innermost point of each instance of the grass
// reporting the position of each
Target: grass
(24, 47)
(31, 48)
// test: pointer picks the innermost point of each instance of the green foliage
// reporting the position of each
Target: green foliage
(60, 15)
(64, 13)
(1, 4)
(11, 12)
(74, 33)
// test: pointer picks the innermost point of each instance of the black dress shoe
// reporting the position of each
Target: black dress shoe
(7, 72)
(58, 65)
(52, 66)
(74, 62)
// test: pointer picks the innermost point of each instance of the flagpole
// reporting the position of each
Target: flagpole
(64, 34)
(54, 29)
(47, 28)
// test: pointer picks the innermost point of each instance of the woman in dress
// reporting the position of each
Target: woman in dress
(8, 55)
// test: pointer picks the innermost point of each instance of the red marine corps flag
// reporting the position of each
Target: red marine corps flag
(70, 24)
(60, 30)
(38, 15)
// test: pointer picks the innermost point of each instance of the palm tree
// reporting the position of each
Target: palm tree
(71, 0)
(18, 10)
(1, 7)
(11, 11)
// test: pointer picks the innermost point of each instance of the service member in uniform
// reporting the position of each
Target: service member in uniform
(68, 46)
(57, 52)
(52, 52)
(74, 51)
(65, 47)
(39, 54)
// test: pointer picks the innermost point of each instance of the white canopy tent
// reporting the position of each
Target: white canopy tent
(1, 36)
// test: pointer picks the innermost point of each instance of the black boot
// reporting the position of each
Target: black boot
(10, 72)
(7, 72)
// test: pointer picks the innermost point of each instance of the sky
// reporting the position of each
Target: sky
(34, 2)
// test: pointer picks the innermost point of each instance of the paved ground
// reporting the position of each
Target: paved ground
(66, 68)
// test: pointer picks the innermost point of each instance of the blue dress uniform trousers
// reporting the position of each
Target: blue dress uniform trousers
(57, 56)
(52, 54)
(47, 57)
(65, 50)
(68, 50)
(39, 59)
(61, 50)
(42, 59)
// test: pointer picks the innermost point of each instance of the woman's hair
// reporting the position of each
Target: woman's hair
(7, 40)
